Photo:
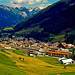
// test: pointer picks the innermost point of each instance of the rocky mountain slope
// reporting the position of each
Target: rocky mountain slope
(10, 16)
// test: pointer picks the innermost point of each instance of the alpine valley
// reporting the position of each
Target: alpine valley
(49, 24)
(36, 41)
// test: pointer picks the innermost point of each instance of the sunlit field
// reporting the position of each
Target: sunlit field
(30, 65)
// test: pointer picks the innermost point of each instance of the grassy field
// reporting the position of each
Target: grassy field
(31, 65)
(58, 38)
(50, 60)
(8, 67)
(20, 52)
(67, 73)
(29, 30)
(7, 29)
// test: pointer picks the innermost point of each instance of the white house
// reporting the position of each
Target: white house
(65, 61)
(8, 47)
(70, 45)
(64, 50)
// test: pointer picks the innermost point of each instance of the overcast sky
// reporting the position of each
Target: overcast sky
(27, 3)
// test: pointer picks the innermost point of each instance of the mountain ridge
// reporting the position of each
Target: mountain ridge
(17, 15)
(53, 19)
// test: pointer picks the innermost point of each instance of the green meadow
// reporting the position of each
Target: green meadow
(12, 65)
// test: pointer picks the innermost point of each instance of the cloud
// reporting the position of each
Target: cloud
(19, 3)
(42, 6)
(26, 2)
(14, 4)
(45, 1)
(38, 1)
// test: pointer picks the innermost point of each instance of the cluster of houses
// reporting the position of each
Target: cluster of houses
(38, 48)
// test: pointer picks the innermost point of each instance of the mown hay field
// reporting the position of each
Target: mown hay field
(38, 66)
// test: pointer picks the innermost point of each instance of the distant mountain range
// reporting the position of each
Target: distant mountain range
(55, 19)
(10, 16)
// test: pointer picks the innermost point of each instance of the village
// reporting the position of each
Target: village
(32, 47)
